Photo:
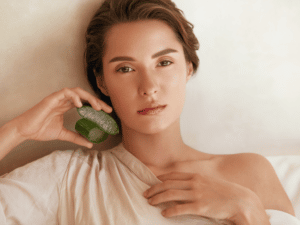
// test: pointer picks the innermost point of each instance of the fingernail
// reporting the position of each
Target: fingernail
(109, 108)
(145, 193)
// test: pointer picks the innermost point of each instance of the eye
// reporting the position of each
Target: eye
(165, 63)
(125, 69)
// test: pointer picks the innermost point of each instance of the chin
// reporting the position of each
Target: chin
(148, 130)
(152, 128)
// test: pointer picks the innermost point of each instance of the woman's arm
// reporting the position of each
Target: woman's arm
(44, 121)
(9, 138)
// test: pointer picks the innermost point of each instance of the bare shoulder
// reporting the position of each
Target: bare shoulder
(255, 172)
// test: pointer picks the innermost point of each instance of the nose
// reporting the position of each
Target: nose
(148, 84)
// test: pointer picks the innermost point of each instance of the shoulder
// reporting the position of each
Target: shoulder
(255, 172)
(52, 163)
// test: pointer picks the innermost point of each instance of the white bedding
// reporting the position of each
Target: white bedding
(288, 170)
(281, 218)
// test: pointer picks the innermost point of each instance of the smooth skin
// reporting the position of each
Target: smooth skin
(242, 186)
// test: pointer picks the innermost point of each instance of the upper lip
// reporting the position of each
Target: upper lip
(151, 107)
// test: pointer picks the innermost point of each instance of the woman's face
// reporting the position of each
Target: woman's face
(144, 64)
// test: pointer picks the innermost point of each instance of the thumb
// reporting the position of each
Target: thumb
(67, 135)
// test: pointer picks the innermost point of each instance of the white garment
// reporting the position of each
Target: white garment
(79, 187)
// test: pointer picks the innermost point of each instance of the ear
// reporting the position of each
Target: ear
(101, 84)
(190, 71)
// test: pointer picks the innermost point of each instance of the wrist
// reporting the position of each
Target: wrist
(9, 138)
(12, 131)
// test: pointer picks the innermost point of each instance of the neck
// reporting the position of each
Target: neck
(159, 150)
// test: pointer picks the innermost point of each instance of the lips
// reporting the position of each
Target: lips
(145, 110)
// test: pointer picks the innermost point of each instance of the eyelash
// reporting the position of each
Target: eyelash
(166, 61)
(124, 67)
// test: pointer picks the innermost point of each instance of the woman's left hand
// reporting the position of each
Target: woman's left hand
(200, 195)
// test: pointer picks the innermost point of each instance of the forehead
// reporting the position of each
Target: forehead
(140, 37)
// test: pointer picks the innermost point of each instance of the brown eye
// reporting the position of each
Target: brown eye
(165, 63)
(125, 69)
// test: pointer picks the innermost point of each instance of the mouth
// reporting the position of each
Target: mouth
(153, 110)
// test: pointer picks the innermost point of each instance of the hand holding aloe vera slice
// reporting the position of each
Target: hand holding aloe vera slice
(44, 121)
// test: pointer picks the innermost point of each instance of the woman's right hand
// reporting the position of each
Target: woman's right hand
(44, 122)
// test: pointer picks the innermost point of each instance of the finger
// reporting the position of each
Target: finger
(76, 94)
(106, 107)
(167, 185)
(181, 209)
(76, 101)
(67, 135)
(95, 102)
(171, 195)
(176, 176)
(193, 208)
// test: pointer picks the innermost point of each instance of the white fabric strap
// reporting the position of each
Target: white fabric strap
(277, 217)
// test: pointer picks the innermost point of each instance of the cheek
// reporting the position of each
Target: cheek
(177, 81)
(174, 81)
(120, 97)
(177, 89)
(177, 78)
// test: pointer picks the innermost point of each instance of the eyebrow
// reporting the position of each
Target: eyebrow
(126, 58)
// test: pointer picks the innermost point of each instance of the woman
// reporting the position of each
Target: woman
(140, 55)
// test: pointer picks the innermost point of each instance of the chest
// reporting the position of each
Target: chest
(219, 167)
(207, 167)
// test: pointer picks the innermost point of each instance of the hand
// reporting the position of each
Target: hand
(198, 195)
(44, 121)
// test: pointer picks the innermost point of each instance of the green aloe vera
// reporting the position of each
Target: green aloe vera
(101, 118)
(90, 130)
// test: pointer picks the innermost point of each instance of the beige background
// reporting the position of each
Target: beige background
(244, 98)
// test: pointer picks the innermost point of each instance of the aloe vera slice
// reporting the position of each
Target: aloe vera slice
(101, 118)
(90, 130)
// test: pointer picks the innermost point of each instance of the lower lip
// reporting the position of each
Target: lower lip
(152, 111)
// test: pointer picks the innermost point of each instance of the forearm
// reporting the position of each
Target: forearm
(9, 138)
(251, 211)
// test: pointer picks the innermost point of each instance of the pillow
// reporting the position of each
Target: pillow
(287, 168)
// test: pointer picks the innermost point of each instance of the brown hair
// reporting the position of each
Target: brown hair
(113, 12)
